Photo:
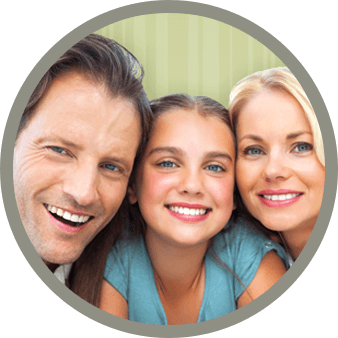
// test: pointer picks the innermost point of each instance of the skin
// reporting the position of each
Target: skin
(275, 151)
(180, 167)
(76, 153)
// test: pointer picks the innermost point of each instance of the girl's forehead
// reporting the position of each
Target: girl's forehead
(190, 129)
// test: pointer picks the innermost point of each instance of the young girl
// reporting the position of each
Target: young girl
(280, 162)
(186, 262)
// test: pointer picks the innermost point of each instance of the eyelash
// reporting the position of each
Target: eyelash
(62, 152)
(248, 151)
(308, 145)
(164, 164)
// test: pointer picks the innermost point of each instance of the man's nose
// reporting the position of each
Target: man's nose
(81, 184)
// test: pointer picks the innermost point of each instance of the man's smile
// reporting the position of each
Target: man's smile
(72, 219)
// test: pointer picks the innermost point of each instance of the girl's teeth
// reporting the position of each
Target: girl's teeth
(187, 211)
(67, 215)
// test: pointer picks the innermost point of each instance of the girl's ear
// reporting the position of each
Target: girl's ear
(234, 205)
(131, 194)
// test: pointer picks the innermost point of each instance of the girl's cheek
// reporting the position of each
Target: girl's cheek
(223, 191)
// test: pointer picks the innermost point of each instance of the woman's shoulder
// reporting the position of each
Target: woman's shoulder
(240, 239)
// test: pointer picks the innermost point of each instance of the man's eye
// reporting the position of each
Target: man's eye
(58, 150)
(111, 167)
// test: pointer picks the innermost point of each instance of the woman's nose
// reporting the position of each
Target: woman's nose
(276, 167)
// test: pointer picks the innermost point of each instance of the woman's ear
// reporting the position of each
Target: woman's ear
(131, 194)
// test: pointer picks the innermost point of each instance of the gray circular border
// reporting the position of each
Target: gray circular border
(153, 7)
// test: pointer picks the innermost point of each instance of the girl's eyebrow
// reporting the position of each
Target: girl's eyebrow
(171, 150)
(251, 137)
(177, 151)
(216, 154)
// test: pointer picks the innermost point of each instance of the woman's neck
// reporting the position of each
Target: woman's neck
(297, 238)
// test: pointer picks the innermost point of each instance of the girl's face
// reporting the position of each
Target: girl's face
(278, 173)
(186, 179)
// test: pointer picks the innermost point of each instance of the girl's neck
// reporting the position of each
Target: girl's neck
(297, 238)
(176, 268)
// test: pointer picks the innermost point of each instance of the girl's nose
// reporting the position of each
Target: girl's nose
(191, 182)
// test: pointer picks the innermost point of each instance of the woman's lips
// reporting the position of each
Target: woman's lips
(191, 213)
(279, 198)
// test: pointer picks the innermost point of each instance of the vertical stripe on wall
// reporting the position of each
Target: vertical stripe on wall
(190, 54)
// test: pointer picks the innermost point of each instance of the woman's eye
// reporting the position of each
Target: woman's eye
(167, 164)
(214, 168)
(302, 147)
(253, 151)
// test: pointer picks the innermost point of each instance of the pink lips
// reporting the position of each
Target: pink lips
(189, 218)
(279, 203)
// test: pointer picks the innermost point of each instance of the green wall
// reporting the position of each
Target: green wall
(190, 54)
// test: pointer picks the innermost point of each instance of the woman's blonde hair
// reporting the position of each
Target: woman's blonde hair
(275, 79)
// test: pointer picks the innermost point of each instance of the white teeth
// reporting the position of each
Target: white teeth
(67, 215)
(281, 197)
(187, 211)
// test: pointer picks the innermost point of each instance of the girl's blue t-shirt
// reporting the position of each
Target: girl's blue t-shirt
(240, 246)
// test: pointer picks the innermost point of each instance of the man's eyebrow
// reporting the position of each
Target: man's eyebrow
(57, 139)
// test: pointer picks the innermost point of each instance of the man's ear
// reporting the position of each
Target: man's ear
(131, 194)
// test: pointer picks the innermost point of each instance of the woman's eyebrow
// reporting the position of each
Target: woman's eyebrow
(295, 135)
(251, 137)
(288, 137)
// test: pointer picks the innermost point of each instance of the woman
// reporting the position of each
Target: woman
(186, 261)
(280, 166)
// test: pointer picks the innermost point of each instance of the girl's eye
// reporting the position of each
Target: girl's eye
(167, 164)
(214, 168)
(253, 151)
(302, 147)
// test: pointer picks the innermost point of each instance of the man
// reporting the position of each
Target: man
(77, 140)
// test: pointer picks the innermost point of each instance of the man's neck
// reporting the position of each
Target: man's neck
(51, 266)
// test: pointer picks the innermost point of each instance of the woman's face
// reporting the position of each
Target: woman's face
(186, 179)
(278, 173)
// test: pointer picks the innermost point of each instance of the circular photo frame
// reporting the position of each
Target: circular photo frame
(276, 55)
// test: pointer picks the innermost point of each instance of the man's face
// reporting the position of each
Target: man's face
(72, 164)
